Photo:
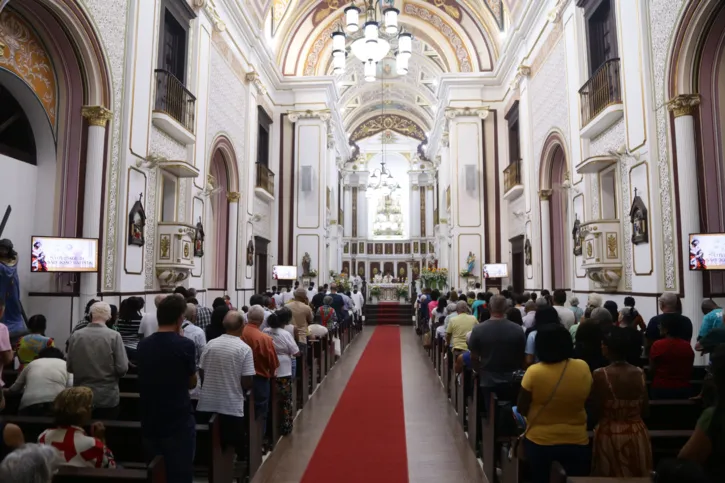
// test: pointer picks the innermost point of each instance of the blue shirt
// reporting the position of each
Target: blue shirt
(475, 307)
(531, 345)
(166, 361)
(10, 292)
(713, 320)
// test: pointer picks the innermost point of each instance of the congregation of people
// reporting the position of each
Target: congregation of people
(192, 362)
(567, 370)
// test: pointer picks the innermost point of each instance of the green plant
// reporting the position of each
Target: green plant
(375, 291)
(402, 292)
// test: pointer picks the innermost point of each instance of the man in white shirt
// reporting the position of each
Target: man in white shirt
(196, 335)
(227, 368)
(566, 316)
(277, 297)
(358, 300)
(149, 324)
(286, 296)
(311, 291)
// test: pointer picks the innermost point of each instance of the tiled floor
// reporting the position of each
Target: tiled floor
(437, 447)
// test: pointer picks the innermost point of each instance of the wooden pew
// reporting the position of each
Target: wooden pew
(473, 417)
(128, 383)
(254, 436)
(154, 473)
(303, 382)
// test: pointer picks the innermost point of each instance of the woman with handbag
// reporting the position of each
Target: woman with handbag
(552, 399)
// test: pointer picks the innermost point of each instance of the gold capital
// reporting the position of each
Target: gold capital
(544, 195)
(233, 196)
(96, 115)
(2, 49)
(684, 104)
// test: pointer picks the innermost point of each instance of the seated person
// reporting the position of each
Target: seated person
(72, 410)
(11, 436)
(29, 346)
(671, 360)
(41, 381)
(31, 463)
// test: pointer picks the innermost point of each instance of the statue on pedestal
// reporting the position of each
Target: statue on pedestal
(306, 261)
(471, 261)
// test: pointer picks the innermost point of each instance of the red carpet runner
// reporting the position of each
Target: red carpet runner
(365, 438)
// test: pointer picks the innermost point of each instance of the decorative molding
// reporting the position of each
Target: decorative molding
(454, 112)
(233, 197)
(211, 10)
(557, 11)
(523, 71)
(330, 140)
(252, 77)
(322, 114)
(684, 104)
(544, 195)
(445, 142)
(97, 115)
(388, 122)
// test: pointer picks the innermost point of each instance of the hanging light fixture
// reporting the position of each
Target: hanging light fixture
(369, 70)
(338, 61)
(401, 63)
(372, 40)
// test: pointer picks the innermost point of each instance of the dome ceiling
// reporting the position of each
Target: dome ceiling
(450, 36)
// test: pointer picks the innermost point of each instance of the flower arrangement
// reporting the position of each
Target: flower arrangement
(312, 273)
(333, 274)
(402, 292)
(434, 277)
(375, 291)
(465, 273)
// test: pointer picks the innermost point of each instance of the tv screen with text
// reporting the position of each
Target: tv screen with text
(60, 254)
(707, 251)
(284, 272)
(495, 270)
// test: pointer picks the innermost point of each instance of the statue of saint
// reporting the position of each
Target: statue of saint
(471, 260)
(306, 261)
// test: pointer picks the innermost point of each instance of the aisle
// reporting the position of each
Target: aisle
(365, 438)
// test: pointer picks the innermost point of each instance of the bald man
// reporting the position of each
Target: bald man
(149, 324)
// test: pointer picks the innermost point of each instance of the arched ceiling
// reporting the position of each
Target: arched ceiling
(450, 36)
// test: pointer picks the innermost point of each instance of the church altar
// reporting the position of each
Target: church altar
(388, 291)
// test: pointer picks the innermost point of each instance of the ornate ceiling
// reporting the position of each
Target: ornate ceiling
(450, 36)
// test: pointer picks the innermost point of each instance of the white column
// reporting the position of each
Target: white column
(97, 117)
(362, 212)
(233, 249)
(546, 282)
(683, 107)
(414, 211)
(347, 211)
(429, 207)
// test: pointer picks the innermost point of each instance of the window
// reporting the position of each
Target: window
(264, 124)
(512, 173)
(168, 200)
(601, 32)
(16, 135)
(608, 194)
(177, 15)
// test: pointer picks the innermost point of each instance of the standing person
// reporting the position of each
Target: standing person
(6, 349)
(637, 320)
(196, 335)
(86, 316)
(29, 346)
(566, 316)
(459, 327)
(167, 371)
(286, 349)
(552, 397)
(622, 447)
(497, 350)
(589, 337)
(706, 446)
(149, 324)
(129, 324)
(286, 297)
(203, 314)
(576, 310)
(97, 359)
(530, 309)
(311, 291)
(680, 326)
(611, 306)
(316, 300)
(228, 301)
(11, 315)
(301, 317)
(479, 302)
(338, 303)
(72, 411)
(216, 326)
(227, 368)
(545, 315)
(265, 362)
(325, 315)
(41, 381)
(358, 300)
(671, 359)
(712, 319)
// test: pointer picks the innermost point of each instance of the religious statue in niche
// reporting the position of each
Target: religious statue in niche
(199, 240)
(306, 261)
(250, 253)
(638, 218)
(576, 234)
(471, 261)
(527, 252)
(137, 223)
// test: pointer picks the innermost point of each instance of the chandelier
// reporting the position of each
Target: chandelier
(373, 42)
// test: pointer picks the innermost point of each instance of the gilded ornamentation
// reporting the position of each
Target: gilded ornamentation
(165, 244)
(454, 112)
(497, 11)
(323, 114)
(463, 57)
(611, 245)
(385, 122)
(97, 115)
(22, 53)
(187, 251)
(544, 195)
(450, 7)
(684, 104)
(279, 8)
(233, 197)
(590, 249)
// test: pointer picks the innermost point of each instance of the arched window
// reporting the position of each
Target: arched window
(16, 134)
(220, 219)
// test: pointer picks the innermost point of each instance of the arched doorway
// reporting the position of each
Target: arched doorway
(555, 213)
(222, 170)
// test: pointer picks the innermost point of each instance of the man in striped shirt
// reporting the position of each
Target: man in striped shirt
(227, 369)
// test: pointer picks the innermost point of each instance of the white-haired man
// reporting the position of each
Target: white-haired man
(97, 359)
(671, 312)
(149, 323)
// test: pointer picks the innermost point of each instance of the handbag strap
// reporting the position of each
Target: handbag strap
(551, 397)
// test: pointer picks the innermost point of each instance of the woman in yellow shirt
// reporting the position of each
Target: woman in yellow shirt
(552, 398)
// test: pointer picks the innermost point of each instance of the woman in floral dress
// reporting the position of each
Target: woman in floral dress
(326, 314)
(622, 446)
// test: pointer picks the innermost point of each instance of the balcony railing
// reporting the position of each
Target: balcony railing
(265, 179)
(174, 99)
(512, 175)
(600, 91)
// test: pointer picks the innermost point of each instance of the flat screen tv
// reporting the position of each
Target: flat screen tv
(495, 270)
(284, 272)
(707, 251)
(61, 254)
